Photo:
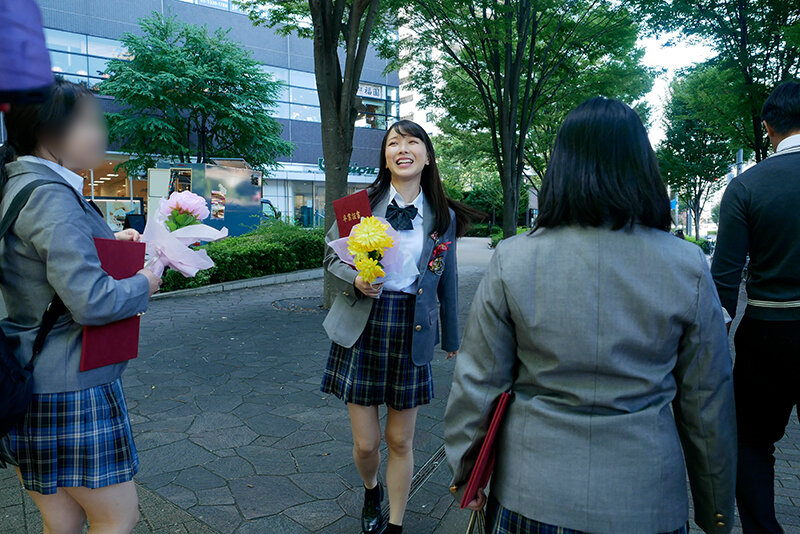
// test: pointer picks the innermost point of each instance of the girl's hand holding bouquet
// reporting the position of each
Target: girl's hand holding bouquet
(173, 228)
(370, 249)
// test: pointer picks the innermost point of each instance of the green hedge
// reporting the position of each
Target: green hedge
(482, 230)
(270, 249)
(704, 244)
(496, 238)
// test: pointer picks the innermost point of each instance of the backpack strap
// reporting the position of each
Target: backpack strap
(17, 203)
(56, 308)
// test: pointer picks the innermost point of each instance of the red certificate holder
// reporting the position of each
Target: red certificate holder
(118, 341)
(484, 465)
(350, 209)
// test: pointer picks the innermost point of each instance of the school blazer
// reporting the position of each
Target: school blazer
(436, 298)
(616, 350)
(50, 249)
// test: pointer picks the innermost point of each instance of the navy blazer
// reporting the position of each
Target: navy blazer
(436, 299)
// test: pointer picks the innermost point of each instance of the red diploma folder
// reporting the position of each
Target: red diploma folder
(483, 467)
(349, 211)
(119, 341)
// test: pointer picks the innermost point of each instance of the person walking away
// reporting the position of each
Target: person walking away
(74, 450)
(610, 334)
(759, 216)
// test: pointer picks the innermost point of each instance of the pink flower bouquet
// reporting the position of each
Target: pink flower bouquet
(174, 226)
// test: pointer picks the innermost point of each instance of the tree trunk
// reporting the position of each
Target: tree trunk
(337, 147)
(696, 210)
(337, 90)
(510, 204)
(758, 139)
(697, 225)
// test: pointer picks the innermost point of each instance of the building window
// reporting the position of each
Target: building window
(306, 113)
(299, 78)
(84, 59)
(304, 96)
(81, 58)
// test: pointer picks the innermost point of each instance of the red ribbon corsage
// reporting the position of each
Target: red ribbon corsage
(436, 265)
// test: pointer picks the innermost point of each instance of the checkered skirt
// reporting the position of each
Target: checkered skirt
(501, 520)
(73, 439)
(378, 369)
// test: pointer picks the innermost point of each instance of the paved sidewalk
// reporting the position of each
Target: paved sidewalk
(234, 435)
(232, 431)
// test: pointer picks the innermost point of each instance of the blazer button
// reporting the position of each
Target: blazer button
(419, 292)
(418, 327)
(720, 517)
(720, 524)
(346, 294)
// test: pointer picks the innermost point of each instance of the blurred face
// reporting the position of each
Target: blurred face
(83, 144)
(406, 156)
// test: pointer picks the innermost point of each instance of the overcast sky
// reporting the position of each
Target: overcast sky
(672, 59)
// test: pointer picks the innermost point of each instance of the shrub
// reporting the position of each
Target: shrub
(270, 249)
(496, 238)
(308, 246)
(482, 230)
(704, 244)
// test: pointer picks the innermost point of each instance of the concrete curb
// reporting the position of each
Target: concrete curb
(270, 280)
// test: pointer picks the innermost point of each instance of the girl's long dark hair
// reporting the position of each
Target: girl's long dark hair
(29, 123)
(431, 183)
(603, 171)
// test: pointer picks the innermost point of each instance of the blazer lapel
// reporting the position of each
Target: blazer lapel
(427, 243)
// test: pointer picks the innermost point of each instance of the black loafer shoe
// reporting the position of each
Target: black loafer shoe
(371, 517)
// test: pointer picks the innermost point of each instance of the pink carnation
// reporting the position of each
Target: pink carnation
(186, 202)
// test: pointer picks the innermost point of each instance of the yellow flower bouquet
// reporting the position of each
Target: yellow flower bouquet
(370, 249)
(368, 243)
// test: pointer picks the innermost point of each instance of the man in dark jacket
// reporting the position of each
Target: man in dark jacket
(760, 215)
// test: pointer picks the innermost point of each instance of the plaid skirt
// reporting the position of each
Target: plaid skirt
(73, 439)
(378, 369)
(500, 520)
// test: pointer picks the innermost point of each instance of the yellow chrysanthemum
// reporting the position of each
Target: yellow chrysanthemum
(370, 234)
(369, 269)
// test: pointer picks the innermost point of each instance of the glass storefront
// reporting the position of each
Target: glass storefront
(296, 193)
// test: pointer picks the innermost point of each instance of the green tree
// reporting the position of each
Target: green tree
(508, 60)
(342, 31)
(758, 40)
(715, 213)
(187, 93)
(694, 156)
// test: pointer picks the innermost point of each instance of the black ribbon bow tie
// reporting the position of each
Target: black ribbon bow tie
(400, 218)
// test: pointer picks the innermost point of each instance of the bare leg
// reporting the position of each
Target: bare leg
(61, 514)
(400, 464)
(111, 510)
(366, 442)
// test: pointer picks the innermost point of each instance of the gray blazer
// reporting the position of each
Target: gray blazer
(51, 249)
(437, 294)
(617, 353)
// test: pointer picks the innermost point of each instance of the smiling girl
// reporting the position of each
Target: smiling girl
(384, 334)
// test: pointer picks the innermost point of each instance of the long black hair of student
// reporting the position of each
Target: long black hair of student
(28, 124)
(603, 171)
(431, 183)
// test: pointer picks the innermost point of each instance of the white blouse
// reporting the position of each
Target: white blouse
(410, 242)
